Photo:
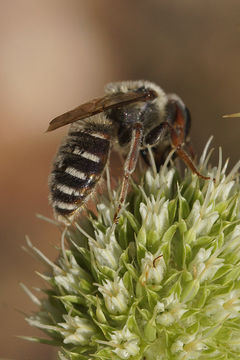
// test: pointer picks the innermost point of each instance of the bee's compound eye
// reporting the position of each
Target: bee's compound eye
(171, 111)
(188, 121)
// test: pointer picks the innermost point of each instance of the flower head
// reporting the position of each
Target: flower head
(161, 284)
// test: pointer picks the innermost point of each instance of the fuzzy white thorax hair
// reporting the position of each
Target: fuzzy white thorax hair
(125, 86)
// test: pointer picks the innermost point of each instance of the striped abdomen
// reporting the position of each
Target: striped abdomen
(78, 166)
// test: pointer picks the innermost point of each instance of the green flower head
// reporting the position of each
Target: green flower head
(164, 283)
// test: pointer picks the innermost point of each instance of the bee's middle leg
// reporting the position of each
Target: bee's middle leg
(129, 166)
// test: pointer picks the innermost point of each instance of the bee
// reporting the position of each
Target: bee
(131, 117)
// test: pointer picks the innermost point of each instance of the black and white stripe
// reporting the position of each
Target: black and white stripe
(78, 166)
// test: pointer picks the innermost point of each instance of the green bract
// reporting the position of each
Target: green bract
(162, 284)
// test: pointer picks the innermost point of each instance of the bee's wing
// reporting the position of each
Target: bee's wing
(98, 105)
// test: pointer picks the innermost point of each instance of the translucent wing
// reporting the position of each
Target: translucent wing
(98, 105)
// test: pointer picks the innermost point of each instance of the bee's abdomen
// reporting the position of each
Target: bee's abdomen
(77, 168)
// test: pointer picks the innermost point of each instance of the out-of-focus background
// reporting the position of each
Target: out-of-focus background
(56, 54)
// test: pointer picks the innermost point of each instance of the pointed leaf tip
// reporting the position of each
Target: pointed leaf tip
(231, 115)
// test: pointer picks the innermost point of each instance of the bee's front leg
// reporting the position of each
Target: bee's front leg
(176, 133)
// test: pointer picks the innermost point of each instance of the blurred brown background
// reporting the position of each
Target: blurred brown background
(54, 55)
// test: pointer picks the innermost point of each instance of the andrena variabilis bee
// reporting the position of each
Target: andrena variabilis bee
(132, 116)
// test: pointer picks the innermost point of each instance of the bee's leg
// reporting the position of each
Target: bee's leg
(188, 161)
(129, 166)
(178, 144)
(190, 148)
(156, 134)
